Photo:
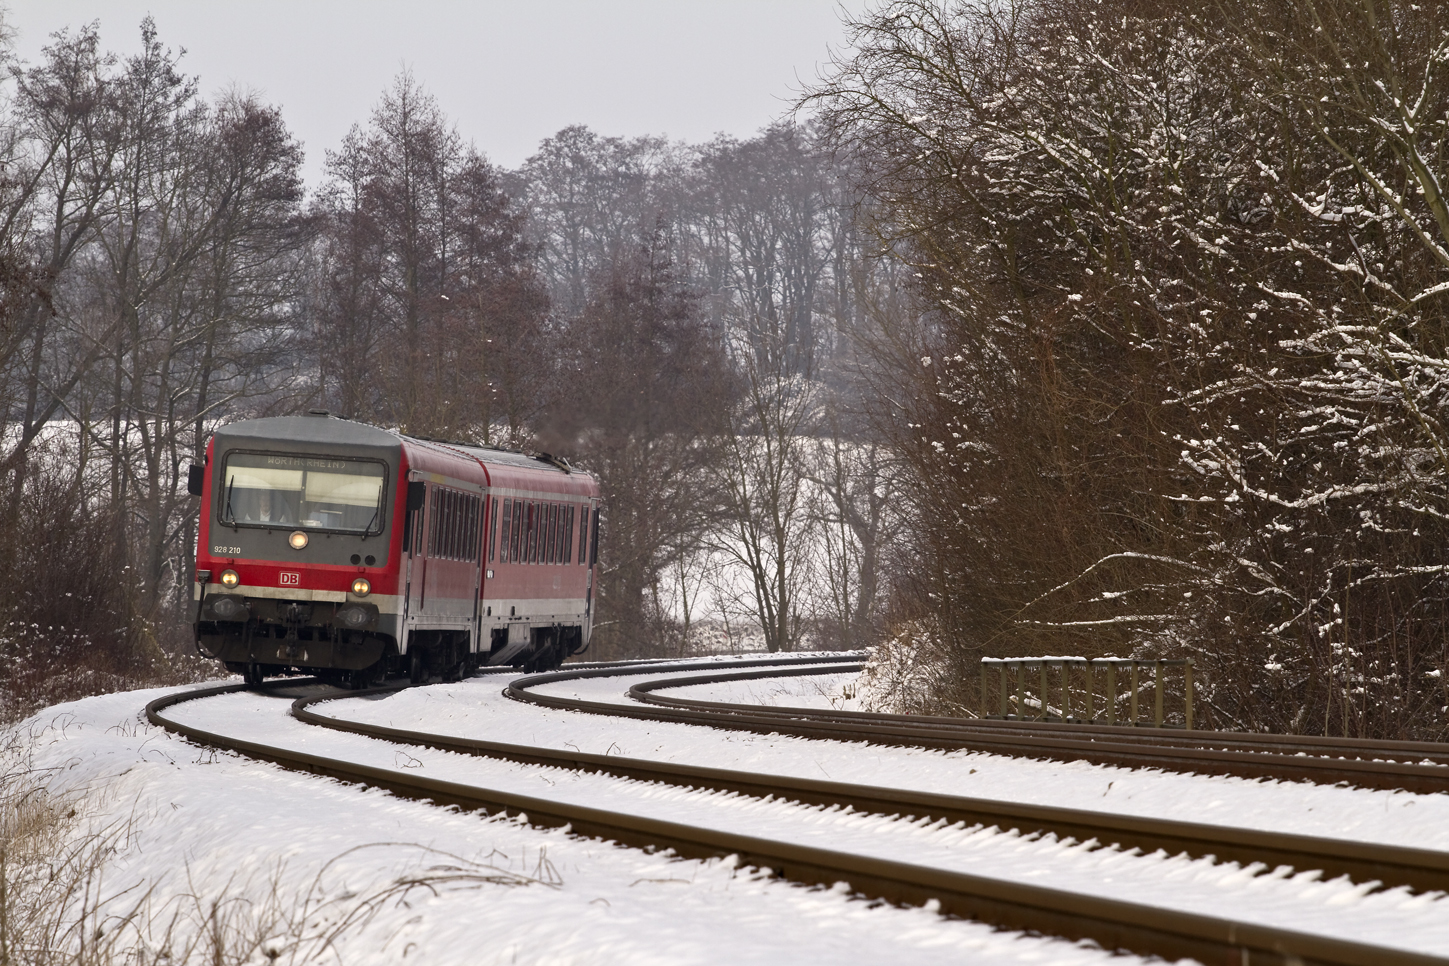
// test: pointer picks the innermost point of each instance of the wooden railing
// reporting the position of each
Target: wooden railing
(1016, 706)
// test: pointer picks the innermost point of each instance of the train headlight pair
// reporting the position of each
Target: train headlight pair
(229, 578)
(361, 587)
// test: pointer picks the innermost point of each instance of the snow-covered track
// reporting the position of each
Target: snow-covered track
(1419, 869)
(1408, 765)
(1112, 923)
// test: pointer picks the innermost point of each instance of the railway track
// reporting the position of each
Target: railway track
(1412, 766)
(1111, 923)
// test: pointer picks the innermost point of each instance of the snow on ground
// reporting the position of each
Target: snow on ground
(477, 708)
(1301, 902)
(200, 823)
(195, 827)
(826, 692)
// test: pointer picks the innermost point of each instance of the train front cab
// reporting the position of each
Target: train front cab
(298, 548)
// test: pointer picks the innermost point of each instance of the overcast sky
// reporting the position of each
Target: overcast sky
(508, 73)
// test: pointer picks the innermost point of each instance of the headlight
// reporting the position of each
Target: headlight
(361, 587)
(229, 578)
(298, 539)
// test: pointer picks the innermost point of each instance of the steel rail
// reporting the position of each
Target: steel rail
(1214, 753)
(1362, 862)
(1365, 748)
(1113, 924)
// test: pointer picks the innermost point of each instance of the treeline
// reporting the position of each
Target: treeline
(1178, 385)
(677, 318)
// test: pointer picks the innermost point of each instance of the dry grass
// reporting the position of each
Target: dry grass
(58, 908)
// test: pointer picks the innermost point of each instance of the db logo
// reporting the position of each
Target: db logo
(290, 580)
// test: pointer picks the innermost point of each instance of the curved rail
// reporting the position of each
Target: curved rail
(1114, 924)
(1362, 862)
(1358, 762)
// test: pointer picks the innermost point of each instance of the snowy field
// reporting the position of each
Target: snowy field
(199, 823)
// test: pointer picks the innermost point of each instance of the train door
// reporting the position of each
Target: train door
(415, 560)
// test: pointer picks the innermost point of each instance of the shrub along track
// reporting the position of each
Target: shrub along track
(1111, 923)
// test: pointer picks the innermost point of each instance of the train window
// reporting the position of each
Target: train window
(569, 535)
(460, 519)
(583, 532)
(434, 515)
(470, 528)
(437, 532)
(493, 531)
(507, 526)
(552, 531)
(594, 540)
(558, 514)
(530, 549)
(558, 535)
(518, 532)
(282, 490)
(455, 525)
(475, 527)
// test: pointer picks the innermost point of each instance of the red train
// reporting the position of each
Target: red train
(332, 547)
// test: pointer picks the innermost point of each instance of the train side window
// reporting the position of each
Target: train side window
(470, 528)
(518, 532)
(545, 535)
(583, 532)
(530, 549)
(594, 540)
(566, 536)
(507, 526)
(475, 527)
(552, 531)
(583, 535)
(455, 534)
(430, 521)
(492, 523)
(556, 526)
(521, 538)
(434, 516)
(444, 501)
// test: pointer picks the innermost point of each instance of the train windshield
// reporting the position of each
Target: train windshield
(280, 490)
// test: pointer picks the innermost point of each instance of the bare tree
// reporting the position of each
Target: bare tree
(644, 398)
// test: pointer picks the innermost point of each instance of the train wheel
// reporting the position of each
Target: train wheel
(417, 673)
(252, 675)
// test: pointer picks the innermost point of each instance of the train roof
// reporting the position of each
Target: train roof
(310, 429)
(334, 432)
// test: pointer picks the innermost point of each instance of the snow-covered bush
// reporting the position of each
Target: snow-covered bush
(1179, 385)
